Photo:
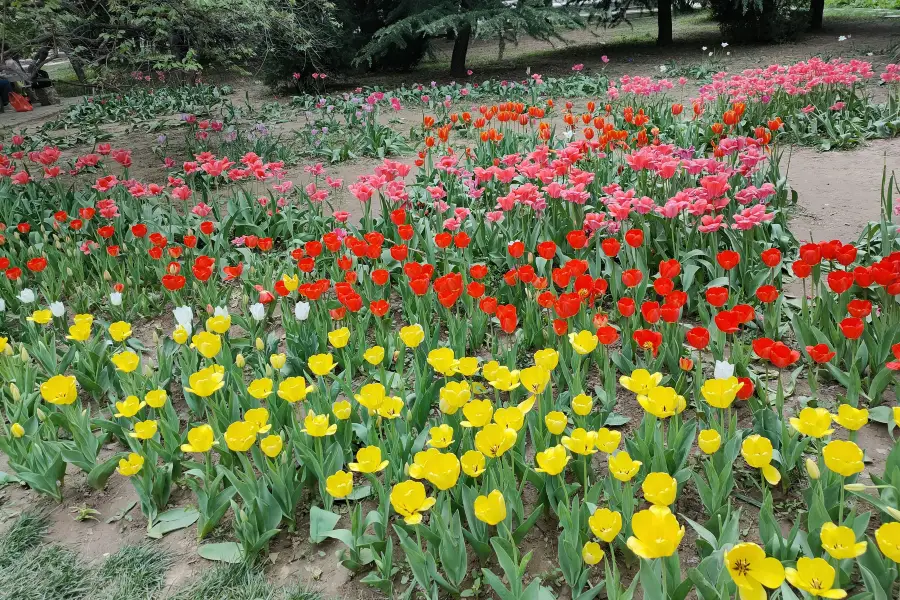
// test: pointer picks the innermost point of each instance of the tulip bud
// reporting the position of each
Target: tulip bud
(855, 487)
(155, 338)
(14, 392)
(41, 415)
(240, 361)
(69, 271)
(23, 354)
(148, 370)
(812, 469)
(107, 276)
(269, 371)
(259, 344)
(17, 430)
(893, 512)
(8, 351)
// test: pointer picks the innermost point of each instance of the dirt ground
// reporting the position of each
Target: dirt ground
(839, 192)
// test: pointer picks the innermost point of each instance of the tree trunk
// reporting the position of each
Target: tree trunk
(664, 15)
(460, 49)
(816, 13)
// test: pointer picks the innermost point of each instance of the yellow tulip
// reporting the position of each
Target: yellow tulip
(581, 442)
(321, 364)
(556, 422)
(547, 358)
(472, 463)
(130, 466)
(840, 542)
(813, 422)
(180, 335)
(660, 488)
(467, 365)
(478, 413)
(757, 451)
(851, 418)
(271, 445)
(608, 440)
(583, 342)
(294, 389)
(535, 379)
(83, 318)
(844, 458)
(156, 398)
(341, 410)
(17, 430)
(502, 378)
(260, 388)
(605, 524)
(622, 466)
(720, 393)
(200, 439)
(240, 436)
(259, 418)
(443, 361)
(709, 441)
(409, 500)
(641, 381)
(239, 361)
(440, 436)
(371, 396)
(552, 461)
(120, 331)
(278, 360)
(888, 539)
(340, 484)
(317, 425)
(441, 469)
(592, 553)
(895, 412)
(290, 283)
(374, 355)
(206, 382)
(144, 430)
(454, 396)
(815, 577)
(494, 440)
(219, 324)
(751, 569)
(126, 361)
(490, 509)
(656, 533)
(391, 408)
(412, 335)
(206, 343)
(582, 404)
(510, 417)
(41, 317)
(339, 337)
(79, 332)
(259, 344)
(59, 389)
(662, 402)
(368, 460)
(129, 407)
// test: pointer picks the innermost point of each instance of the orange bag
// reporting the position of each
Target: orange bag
(19, 102)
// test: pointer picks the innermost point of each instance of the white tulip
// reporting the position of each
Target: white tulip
(2, 305)
(57, 308)
(723, 370)
(115, 298)
(184, 316)
(221, 311)
(26, 296)
(301, 311)
(258, 311)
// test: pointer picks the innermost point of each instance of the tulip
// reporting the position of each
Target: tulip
(17, 430)
(408, 498)
(751, 570)
(120, 331)
(709, 441)
(813, 422)
(660, 488)
(605, 524)
(207, 344)
(478, 413)
(592, 553)
(547, 358)
(443, 361)
(368, 460)
(840, 542)
(294, 389)
(258, 417)
(206, 382)
(200, 439)
(888, 539)
(317, 425)
(374, 355)
(240, 436)
(555, 421)
(607, 440)
(662, 402)
(851, 418)
(472, 463)
(129, 407)
(656, 533)
(843, 457)
(581, 442)
(757, 451)
(278, 361)
(126, 361)
(641, 381)
(339, 337)
(260, 388)
(454, 396)
(131, 465)
(552, 461)
(271, 445)
(815, 577)
(412, 335)
(582, 404)
(583, 342)
(490, 509)
(812, 469)
(371, 396)
(321, 364)
(156, 398)
(60, 390)
(440, 436)
(720, 393)
(622, 467)
(494, 440)
(340, 484)
(341, 410)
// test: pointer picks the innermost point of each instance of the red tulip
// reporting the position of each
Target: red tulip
(560, 326)
(771, 257)
(516, 249)
(650, 311)
(859, 308)
(607, 335)
(767, 294)
(634, 237)
(648, 339)
(728, 259)
(744, 313)
(546, 250)
(461, 240)
(820, 353)
(173, 282)
(36, 265)
(632, 277)
(567, 305)
(626, 307)
(697, 337)
(852, 327)
(670, 313)
(781, 356)
(763, 347)
(746, 390)
(443, 240)
(801, 269)
(727, 321)
(506, 314)
(139, 230)
(380, 276)
(811, 254)
(669, 269)
(379, 308)
(576, 239)
(840, 281)
(717, 296)
(610, 247)
(488, 305)
(663, 286)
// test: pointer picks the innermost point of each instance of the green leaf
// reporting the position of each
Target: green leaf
(100, 474)
(228, 552)
(173, 520)
(321, 522)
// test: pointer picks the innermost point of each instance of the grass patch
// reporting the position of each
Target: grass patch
(133, 572)
(889, 4)
(229, 582)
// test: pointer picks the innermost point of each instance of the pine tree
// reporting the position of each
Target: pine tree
(501, 20)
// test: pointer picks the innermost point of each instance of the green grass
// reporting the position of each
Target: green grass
(33, 570)
(889, 4)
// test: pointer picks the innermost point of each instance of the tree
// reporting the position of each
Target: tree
(467, 19)
(664, 23)
(816, 14)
